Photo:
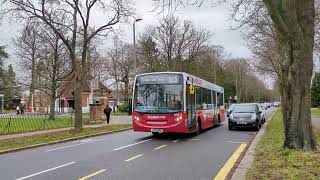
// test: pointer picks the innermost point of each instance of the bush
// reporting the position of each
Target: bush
(124, 107)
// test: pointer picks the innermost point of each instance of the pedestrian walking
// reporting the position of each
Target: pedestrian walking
(18, 110)
(22, 109)
(107, 111)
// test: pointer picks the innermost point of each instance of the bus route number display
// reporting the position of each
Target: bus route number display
(159, 79)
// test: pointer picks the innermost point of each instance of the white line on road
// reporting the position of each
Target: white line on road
(93, 174)
(64, 147)
(134, 157)
(131, 145)
(54, 168)
(162, 146)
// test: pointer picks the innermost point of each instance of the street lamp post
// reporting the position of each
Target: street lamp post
(134, 45)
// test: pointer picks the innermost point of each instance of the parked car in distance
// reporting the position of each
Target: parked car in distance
(230, 109)
(263, 109)
(245, 115)
(276, 104)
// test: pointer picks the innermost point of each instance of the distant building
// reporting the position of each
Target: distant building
(66, 102)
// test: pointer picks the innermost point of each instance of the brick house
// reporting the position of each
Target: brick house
(66, 104)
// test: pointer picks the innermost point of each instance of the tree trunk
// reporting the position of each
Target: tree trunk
(296, 103)
(54, 80)
(126, 88)
(77, 72)
(33, 74)
(294, 24)
(52, 108)
(77, 101)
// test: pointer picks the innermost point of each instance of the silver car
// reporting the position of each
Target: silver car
(245, 115)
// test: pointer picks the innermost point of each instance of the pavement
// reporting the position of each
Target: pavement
(315, 122)
(129, 155)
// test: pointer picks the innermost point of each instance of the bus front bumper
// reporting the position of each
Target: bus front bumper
(180, 127)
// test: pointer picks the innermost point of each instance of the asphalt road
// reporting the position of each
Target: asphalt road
(129, 155)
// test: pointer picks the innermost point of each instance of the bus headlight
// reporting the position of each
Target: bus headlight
(136, 117)
(178, 119)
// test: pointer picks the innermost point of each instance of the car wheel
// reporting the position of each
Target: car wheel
(230, 127)
(258, 126)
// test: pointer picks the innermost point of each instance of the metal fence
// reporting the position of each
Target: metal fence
(19, 123)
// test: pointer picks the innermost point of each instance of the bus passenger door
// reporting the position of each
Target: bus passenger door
(191, 108)
(215, 106)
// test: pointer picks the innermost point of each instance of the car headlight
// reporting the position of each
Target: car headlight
(254, 117)
(231, 116)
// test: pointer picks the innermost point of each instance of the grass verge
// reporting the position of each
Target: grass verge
(26, 124)
(315, 112)
(19, 142)
(272, 161)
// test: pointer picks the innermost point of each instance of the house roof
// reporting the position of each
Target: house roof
(69, 88)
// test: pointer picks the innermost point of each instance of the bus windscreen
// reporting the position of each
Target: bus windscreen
(158, 93)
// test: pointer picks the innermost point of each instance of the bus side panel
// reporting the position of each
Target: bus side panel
(222, 114)
(206, 117)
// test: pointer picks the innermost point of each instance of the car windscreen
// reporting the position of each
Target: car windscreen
(231, 107)
(244, 109)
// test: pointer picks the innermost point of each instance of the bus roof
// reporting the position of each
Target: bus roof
(196, 81)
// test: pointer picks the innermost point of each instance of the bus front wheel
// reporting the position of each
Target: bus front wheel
(155, 133)
(198, 128)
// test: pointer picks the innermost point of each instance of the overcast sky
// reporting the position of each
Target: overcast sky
(215, 19)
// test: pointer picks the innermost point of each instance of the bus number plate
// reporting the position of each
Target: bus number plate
(157, 130)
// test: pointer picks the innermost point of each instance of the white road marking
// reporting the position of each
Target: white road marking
(54, 168)
(176, 140)
(131, 145)
(134, 157)
(64, 147)
(160, 147)
(93, 174)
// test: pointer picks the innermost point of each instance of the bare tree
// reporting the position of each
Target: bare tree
(173, 44)
(239, 68)
(26, 49)
(54, 66)
(120, 60)
(76, 17)
(294, 25)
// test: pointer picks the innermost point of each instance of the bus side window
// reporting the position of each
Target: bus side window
(209, 99)
(198, 98)
(221, 99)
(218, 100)
(214, 99)
(204, 101)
